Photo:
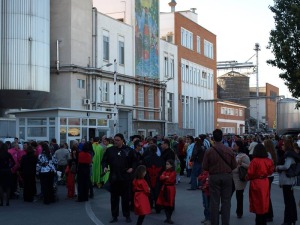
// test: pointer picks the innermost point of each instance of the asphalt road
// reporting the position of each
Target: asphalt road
(188, 210)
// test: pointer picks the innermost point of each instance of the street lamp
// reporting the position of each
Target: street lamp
(163, 101)
(257, 48)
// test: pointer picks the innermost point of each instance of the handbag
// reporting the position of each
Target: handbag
(294, 170)
(242, 173)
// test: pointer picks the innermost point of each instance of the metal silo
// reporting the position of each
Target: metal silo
(25, 52)
(234, 86)
(287, 115)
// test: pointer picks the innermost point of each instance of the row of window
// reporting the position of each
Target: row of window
(196, 76)
(121, 48)
(228, 130)
(231, 111)
(105, 91)
(169, 69)
(187, 41)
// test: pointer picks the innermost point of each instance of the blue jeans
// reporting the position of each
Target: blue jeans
(196, 170)
(205, 199)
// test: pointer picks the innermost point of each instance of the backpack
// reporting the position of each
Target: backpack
(294, 170)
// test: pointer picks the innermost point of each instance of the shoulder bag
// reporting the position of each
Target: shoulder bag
(222, 158)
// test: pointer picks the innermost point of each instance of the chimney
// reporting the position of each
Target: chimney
(172, 4)
(193, 10)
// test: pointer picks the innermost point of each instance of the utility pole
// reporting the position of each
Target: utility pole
(257, 48)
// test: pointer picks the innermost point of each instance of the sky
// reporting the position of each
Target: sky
(238, 24)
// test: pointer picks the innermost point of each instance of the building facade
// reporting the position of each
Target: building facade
(196, 70)
(231, 117)
(265, 109)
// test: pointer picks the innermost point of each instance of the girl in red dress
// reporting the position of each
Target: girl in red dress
(70, 179)
(141, 194)
(167, 193)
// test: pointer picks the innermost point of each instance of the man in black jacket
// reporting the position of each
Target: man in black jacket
(167, 152)
(120, 169)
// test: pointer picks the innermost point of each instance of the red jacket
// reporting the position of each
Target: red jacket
(259, 192)
(168, 191)
(141, 201)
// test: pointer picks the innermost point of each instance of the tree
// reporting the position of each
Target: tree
(284, 42)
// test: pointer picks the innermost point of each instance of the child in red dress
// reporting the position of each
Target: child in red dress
(70, 179)
(167, 193)
(141, 194)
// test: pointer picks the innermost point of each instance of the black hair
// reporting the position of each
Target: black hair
(191, 137)
(240, 144)
(136, 143)
(260, 151)
(120, 136)
(172, 163)
(139, 172)
(217, 135)
(166, 141)
(46, 150)
(153, 148)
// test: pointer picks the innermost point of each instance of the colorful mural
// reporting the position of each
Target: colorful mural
(146, 38)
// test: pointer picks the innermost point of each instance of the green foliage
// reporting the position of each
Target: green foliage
(284, 42)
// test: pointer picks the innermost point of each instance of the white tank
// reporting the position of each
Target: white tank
(25, 53)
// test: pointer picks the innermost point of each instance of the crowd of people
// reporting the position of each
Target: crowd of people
(144, 173)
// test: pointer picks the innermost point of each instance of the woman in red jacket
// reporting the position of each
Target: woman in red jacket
(141, 194)
(167, 193)
(83, 173)
(258, 171)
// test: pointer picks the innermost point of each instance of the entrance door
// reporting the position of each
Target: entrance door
(92, 133)
(71, 141)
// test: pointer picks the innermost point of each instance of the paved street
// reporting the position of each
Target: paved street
(188, 210)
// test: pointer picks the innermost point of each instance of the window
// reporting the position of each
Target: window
(166, 67)
(121, 53)
(236, 112)
(122, 94)
(204, 78)
(187, 73)
(186, 38)
(240, 112)
(141, 114)
(198, 45)
(208, 49)
(170, 107)
(106, 46)
(80, 83)
(183, 72)
(105, 92)
(223, 110)
(151, 103)
(172, 68)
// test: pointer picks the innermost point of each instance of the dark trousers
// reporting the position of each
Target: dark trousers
(169, 211)
(239, 194)
(205, 200)
(290, 210)
(47, 186)
(120, 189)
(270, 215)
(196, 170)
(182, 164)
(140, 220)
(260, 219)
(220, 188)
